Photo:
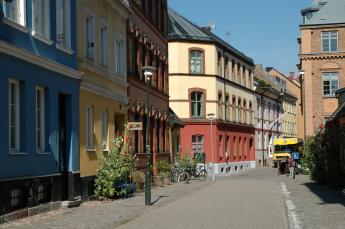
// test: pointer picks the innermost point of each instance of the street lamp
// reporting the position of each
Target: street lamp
(148, 72)
(210, 117)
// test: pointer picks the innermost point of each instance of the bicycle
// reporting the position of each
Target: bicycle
(197, 172)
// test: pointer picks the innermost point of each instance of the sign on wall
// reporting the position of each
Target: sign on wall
(135, 125)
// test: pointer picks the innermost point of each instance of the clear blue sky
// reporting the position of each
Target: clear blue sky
(265, 30)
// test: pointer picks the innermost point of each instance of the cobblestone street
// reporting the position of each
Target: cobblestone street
(253, 199)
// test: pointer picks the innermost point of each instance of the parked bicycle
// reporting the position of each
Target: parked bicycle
(193, 172)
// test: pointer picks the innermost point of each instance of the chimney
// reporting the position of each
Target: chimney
(291, 76)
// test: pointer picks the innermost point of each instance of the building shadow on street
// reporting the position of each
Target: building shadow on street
(328, 195)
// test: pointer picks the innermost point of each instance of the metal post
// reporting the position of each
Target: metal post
(262, 130)
(213, 171)
(147, 143)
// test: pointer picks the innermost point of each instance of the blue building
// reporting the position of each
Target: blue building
(39, 88)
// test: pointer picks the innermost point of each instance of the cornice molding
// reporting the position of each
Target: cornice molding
(322, 56)
(103, 91)
(43, 62)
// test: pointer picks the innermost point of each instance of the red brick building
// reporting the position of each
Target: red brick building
(147, 46)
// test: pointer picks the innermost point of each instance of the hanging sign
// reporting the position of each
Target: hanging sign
(135, 125)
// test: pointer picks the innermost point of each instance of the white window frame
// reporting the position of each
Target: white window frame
(43, 32)
(89, 128)
(329, 41)
(104, 53)
(21, 17)
(16, 148)
(104, 129)
(63, 24)
(89, 39)
(41, 136)
(330, 76)
(120, 72)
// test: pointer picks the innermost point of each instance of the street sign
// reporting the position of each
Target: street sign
(295, 156)
(135, 125)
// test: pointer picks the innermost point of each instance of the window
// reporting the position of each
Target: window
(244, 111)
(197, 144)
(104, 45)
(15, 11)
(239, 111)
(329, 41)
(40, 131)
(89, 36)
(41, 17)
(238, 74)
(250, 113)
(330, 83)
(234, 117)
(220, 110)
(104, 128)
(89, 127)
(220, 146)
(63, 20)
(226, 113)
(226, 68)
(14, 116)
(196, 62)
(17, 198)
(219, 64)
(197, 104)
(119, 57)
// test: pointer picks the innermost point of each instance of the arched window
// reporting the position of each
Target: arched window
(198, 144)
(196, 64)
(197, 104)
(244, 111)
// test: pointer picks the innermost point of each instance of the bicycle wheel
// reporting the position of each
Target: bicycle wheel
(183, 178)
(202, 175)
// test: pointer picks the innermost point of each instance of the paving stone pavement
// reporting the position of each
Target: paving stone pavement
(250, 200)
(318, 207)
(106, 214)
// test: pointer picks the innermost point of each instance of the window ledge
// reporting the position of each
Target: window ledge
(118, 79)
(64, 49)
(90, 150)
(14, 152)
(106, 150)
(329, 97)
(43, 153)
(42, 38)
(15, 25)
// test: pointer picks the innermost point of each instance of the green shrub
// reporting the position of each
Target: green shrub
(138, 178)
(115, 168)
(163, 167)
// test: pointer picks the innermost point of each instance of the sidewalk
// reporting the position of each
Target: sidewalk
(102, 214)
(317, 206)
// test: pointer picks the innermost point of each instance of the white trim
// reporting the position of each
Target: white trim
(42, 38)
(15, 25)
(45, 19)
(42, 121)
(103, 24)
(90, 121)
(91, 150)
(64, 49)
(38, 60)
(89, 13)
(104, 121)
(66, 29)
(103, 91)
(16, 83)
(16, 153)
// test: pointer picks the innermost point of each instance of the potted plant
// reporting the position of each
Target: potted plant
(164, 169)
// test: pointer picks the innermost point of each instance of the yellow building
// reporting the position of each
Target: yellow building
(101, 29)
(293, 121)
